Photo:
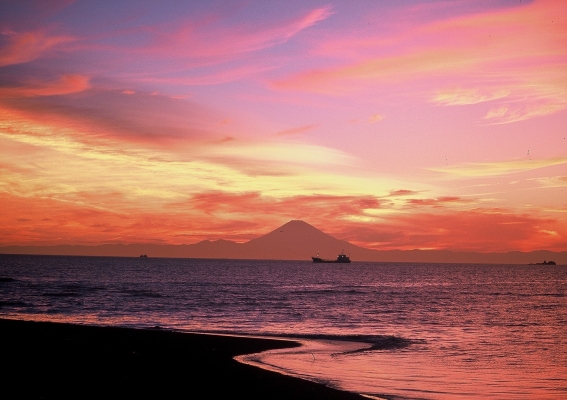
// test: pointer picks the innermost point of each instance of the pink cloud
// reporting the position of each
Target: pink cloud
(207, 40)
(210, 77)
(514, 54)
(207, 50)
(110, 118)
(376, 71)
(225, 140)
(22, 47)
(67, 84)
(505, 115)
(298, 130)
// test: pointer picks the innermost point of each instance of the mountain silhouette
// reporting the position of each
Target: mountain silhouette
(297, 240)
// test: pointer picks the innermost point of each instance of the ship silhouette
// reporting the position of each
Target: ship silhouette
(341, 258)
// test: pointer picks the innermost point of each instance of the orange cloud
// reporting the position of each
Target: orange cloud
(402, 192)
(323, 210)
(241, 217)
(52, 221)
(26, 220)
(480, 230)
(303, 206)
(441, 201)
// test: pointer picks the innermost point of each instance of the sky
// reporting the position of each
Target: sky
(393, 125)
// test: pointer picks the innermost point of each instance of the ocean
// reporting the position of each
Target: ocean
(385, 330)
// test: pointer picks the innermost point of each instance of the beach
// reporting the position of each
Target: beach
(55, 361)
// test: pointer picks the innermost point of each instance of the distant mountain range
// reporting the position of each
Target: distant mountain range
(295, 240)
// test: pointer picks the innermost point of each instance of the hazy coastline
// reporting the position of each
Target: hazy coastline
(295, 240)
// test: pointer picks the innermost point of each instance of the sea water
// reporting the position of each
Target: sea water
(385, 330)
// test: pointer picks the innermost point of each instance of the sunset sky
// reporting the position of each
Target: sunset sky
(393, 125)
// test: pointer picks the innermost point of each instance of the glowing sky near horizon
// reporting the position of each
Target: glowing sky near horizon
(394, 125)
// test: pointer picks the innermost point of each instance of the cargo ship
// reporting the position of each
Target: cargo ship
(341, 258)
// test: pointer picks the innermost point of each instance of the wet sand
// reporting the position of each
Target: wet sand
(53, 361)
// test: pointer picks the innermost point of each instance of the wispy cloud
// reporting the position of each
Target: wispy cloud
(22, 47)
(299, 129)
(285, 153)
(402, 192)
(461, 96)
(384, 70)
(496, 113)
(505, 115)
(475, 170)
(438, 202)
(552, 181)
(211, 40)
(67, 84)
(225, 140)
(375, 118)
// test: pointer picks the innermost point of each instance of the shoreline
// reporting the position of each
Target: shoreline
(60, 360)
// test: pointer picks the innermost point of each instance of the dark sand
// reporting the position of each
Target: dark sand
(53, 361)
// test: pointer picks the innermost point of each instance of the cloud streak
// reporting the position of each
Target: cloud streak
(67, 84)
(211, 40)
(476, 170)
(22, 47)
(298, 130)
(460, 96)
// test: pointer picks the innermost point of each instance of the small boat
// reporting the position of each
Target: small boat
(547, 263)
(143, 255)
(341, 258)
